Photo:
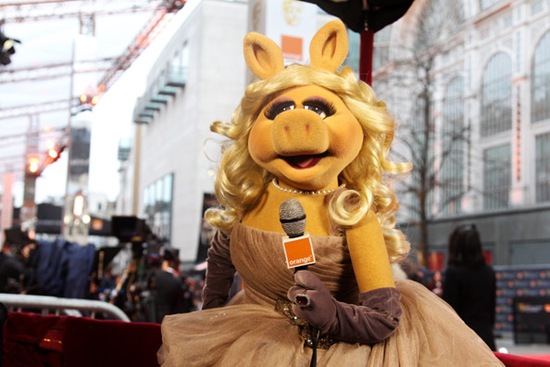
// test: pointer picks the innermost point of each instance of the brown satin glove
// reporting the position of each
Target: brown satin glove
(372, 321)
(219, 273)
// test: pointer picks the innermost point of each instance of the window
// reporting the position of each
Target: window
(540, 83)
(177, 70)
(181, 57)
(542, 167)
(158, 199)
(496, 96)
(454, 137)
(497, 176)
(537, 7)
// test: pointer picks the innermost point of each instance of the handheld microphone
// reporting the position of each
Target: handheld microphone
(297, 245)
(299, 254)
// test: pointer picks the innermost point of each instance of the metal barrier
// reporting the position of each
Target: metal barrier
(69, 306)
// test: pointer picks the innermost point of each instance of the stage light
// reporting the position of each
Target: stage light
(84, 99)
(7, 48)
(54, 153)
(78, 205)
(33, 165)
(86, 102)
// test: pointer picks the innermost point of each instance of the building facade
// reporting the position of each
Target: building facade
(486, 79)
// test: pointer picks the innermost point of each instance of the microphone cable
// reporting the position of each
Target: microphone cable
(314, 334)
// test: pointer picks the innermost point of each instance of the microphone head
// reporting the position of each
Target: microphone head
(292, 217)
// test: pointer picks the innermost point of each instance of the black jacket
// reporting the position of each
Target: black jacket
(472, 293)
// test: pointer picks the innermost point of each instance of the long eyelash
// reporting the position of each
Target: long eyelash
(269, 113)
(274, 109)
(322, 104)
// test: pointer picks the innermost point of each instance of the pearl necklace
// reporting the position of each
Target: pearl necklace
(300, 192)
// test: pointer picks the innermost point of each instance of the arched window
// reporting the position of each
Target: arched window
(540, 82)
(497, 176)
(454, 139)
(496, 96)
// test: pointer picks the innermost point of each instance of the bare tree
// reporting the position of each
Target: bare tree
(438, 151)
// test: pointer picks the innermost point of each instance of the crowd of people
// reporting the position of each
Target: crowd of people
(150, 288)
(153, 284)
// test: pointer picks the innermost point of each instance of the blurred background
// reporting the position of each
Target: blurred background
(105, 108)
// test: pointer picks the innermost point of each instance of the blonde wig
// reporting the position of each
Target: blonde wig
(240, 182)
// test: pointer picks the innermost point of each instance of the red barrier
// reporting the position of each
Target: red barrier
(56, 341)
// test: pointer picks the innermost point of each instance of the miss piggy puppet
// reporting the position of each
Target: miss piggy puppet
(319, 136)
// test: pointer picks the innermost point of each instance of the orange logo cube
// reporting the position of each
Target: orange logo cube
(298, 251)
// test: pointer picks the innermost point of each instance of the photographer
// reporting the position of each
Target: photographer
(16, 272)
(164, 286)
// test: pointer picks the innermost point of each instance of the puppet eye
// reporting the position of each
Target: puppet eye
(321, 107)
(278, 107)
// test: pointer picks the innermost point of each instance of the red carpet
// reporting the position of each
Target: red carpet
(511, 360)
(544, 357)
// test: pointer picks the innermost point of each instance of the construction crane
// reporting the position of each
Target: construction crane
(25, 11)
(163, 14)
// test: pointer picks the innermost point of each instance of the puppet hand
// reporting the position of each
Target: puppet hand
(313, 301)
(373, 320)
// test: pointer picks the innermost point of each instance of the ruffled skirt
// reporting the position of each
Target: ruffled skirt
(430, 334)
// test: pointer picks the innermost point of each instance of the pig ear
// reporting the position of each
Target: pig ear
(329, 47)
(263, 57)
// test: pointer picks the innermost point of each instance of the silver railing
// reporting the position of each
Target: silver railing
(59, 306)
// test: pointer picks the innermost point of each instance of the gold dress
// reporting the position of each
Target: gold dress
(252, 330)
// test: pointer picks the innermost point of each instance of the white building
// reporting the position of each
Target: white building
(199, 78)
